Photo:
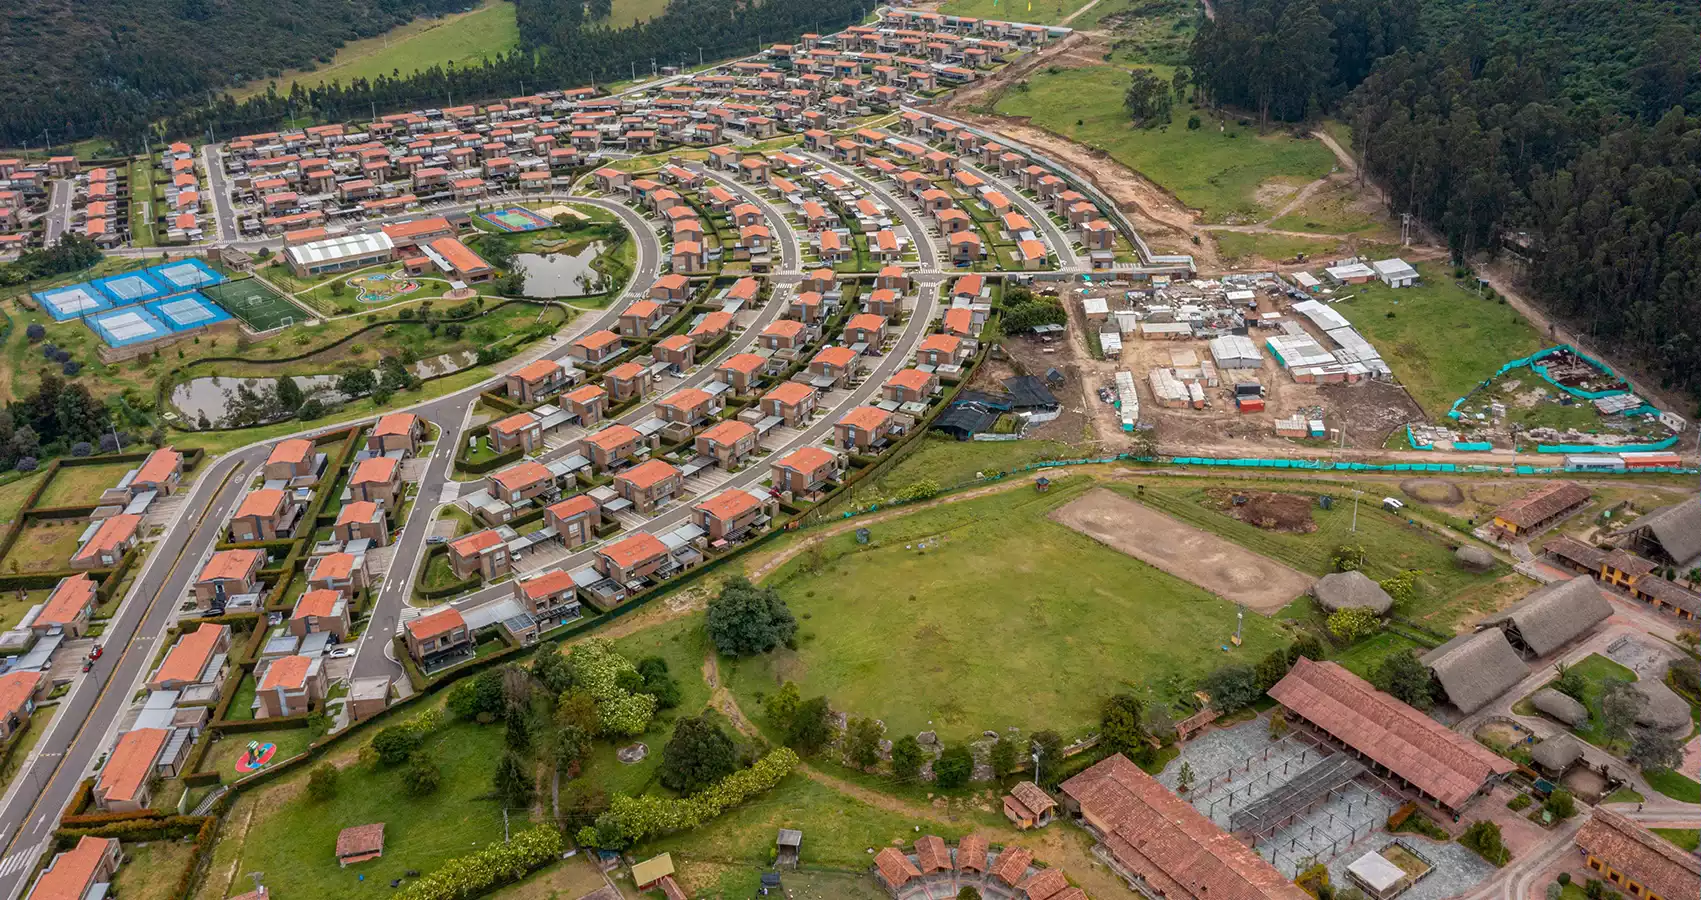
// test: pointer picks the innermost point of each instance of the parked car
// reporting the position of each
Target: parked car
(342, 653)
(1392, 505)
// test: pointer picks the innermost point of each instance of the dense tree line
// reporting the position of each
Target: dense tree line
(559, 49)
(76, 68)
(71, 253)
(1558, 129)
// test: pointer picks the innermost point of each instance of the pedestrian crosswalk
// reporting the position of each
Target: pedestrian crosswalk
(18, 861)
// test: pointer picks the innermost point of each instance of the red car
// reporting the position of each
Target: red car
(96, 652)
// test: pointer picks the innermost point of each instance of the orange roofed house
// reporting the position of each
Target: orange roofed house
(438, 637)
(649, 485)
(636, 558)
(551, 596)
(362, 520)
(228, 574)
(397, 432)
(733, 514)
(807, 471)
(294, 462)
(377, 480)
(114, 538)
(792, 402)
(534, 381)
(729, 443)
(197, 658)
(162, 471)
(483, 553)
(1636, 861)
(18, 694)
(290, 686)
(344, 573)
(613, 447)
(69, 607)
(575, 519)
(863, 429)
(83, 871)
(320, 611)
(265, 515)
(126, 782)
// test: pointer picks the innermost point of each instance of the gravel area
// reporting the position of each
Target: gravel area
(1642, 657)
(1457, 870)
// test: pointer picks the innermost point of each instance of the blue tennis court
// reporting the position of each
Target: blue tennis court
(131, 325)
(130, 287)
(69, 302)
(186, 311)
(185, 274)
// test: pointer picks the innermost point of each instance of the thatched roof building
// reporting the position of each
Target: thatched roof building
(1344, 590)
(1553, 616)
(1476, 668)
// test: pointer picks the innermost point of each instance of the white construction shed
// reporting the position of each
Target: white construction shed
(1235, 351)
(1396, 272)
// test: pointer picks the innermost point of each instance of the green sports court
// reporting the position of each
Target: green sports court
(258, 305)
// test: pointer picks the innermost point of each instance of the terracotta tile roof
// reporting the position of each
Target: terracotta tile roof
(358, 512)
(318, 604)
(514, 423)
(1640, 854)
(1543, 503)
(729, 504)
(635, 549)
(944, 343)
(686, 400)
(931, 855)
(968, 285)
(911, 379)
(131, 762)
(959, 319)
(613, 437)
(895, 867)
(1045, 884)
(728, 433)
(361, 840)
(395, 424)
(16, 688)
(159, 466)
(1037, 802)
(232, 564)
(790, 393)
(718, 320)
(459, 256)
(188, 658)
(69, 598)
(1432, 757)
(597, 340)
(537, 370)
(332, 567)
(552, 582)
(264, 503)
(742, 289)
(475, 543)
(113, 531)
(747, 363)
(574, 506)
(641, 309)
(648, 474)
(1628, 563)
(292, 451)
(806, 460)
(865, 322)
(867, 418)
(377, 470)
(441, 622)
(587, 395)
(840, 357)
(971, 853)
(786, 328)
(674, 344)
(1012, 865)
(73, 871)
(1163, 839)
(289, 673)
(1576, 551)
(626, 371)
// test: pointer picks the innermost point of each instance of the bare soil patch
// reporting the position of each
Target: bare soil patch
(1218, 565)
(1432, 490)
(1267, 510)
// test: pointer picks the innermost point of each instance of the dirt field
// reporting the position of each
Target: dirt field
(1217, 565)
(1269, 511)
(1028, 355)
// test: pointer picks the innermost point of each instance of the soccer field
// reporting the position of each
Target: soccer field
(256, 304)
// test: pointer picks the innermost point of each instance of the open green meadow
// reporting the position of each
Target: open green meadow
(151, 870)
(949, 463)
(1039, 12)
(1239, 248)
(14, 492)
(1439, 337)
(956, 618)
(82, 485)
(1214, 168)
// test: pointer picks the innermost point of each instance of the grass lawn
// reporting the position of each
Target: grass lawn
(13, 605)
(39, 720)
(1686, 838)
(438, 573)
(1597, 671)
(1216, 170)
(837, 830)
(151, 870)
(1390, 544)
(222, 755)
(1038, 12)
(25, 365)
(242, 704)
(82, 485)
(1237, 247)
(684, 643)
(1333, 210)
(1675, 785)
(1439, 338)
(45, 545)
(944, 637)
(1363, 657)
(13, 494)
(280, 831)
(459, 38)
(575, 877)
(949, 463)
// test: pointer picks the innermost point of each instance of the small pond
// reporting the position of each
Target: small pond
(551, 276)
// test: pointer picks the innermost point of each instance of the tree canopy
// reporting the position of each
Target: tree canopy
(745, 619)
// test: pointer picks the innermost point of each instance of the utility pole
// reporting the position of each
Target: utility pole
(1036, 758)
(504, 824)
(257, 888)
(1356, 492)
